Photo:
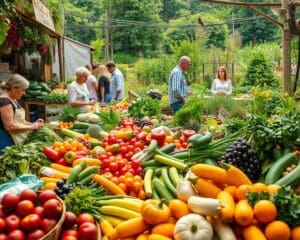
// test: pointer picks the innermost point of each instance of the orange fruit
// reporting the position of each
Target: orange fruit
(241, 191)
(273, 188)
(232, 191)
(178, 208)
(296, 233)
(277, 230)
(259, 187)
(265, 211)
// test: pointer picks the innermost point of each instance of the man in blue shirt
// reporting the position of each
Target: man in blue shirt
(178, 89)
(116, 83)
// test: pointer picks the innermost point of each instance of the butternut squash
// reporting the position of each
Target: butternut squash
(253, 232)
(205, 188)
(243, 213)
(165, 229)
(227, 206)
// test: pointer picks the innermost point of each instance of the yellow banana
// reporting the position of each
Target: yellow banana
(115, 221)
(123, 203)
(119, 212)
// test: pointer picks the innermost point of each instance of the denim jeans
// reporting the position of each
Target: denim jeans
(176, 106)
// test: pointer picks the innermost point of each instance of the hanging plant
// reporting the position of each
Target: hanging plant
(4, 27)
(13, 39)
(30, 36)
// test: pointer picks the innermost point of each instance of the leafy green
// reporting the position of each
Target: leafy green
(20, 159)
(44, 134)
(145, 106)
(109, 119)
(56, 97)
(68, 114)
(286, 202)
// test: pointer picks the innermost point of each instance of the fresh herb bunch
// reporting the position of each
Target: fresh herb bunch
(45, 134)
(145, 106)
(21, 159)
(286, 202)
(109, 119)
(68, 114)
(84, 199)
(56, 97)
(275, 132)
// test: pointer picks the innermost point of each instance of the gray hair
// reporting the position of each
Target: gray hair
(184, 58)
(15, 80)
(81, 71)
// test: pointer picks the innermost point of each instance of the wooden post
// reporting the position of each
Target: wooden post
(286, 48)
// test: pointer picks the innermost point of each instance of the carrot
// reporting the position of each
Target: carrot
(60, 167)
(253, 232)
(110, 185)
(131, 227)
(243, 213)
(228, 206)
(89, 161)
(235, 176)
(213, 173)
(205, 188)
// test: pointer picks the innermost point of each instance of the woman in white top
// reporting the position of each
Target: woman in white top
(91, 81)
(221, 85)
(78, 93)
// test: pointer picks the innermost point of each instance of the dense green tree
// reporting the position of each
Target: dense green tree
(173, 8)
(138, 38)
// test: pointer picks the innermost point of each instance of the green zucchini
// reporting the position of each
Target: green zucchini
(279, 166)
(168, 148)
(161, 189)
(83, 131)
(87, 179)
(198, 141)
(45, 87)
(88, 171)
(81, 125)
(73, 176)
(167, 181)
(291, 179)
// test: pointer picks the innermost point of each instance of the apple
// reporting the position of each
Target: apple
(30, 222)
(69, 237)
(48, 224)
(12, 222)
(2, 225)
(46, 195)
(25, 208)
(36, 234)
(70, 220)
(88, 231)
(28, 194)
(2, 212)
(3, 236)
(9, 201)
(39, 210)
(52, 208)
(69, 232)
(16, 234)
(85, 217)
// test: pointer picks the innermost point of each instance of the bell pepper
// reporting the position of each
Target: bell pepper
(188, 133)
(51, 154)
(159, 136)
(70, 156)
(127, 122)
(124, 134)
(114, 148)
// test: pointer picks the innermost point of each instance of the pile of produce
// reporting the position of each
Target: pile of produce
(37, 91)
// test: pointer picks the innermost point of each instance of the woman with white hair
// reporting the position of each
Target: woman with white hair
(77, 91)
(13, 126)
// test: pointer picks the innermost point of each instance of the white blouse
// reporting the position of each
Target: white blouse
(221, 87)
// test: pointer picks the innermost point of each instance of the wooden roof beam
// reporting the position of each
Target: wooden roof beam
(246, 4)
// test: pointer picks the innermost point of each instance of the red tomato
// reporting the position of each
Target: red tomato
(105, 163)
(139, 171)
(135, 163)
(28, 194)
(113, 166)
(120, 164)
(129, 155)
(123, 170)
(123, 150)
(103, 156)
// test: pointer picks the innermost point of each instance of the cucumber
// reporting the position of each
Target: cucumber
(88, 171)
(73, 176)
(167, 181)
(45, 87)
(291, 179)
(161, 189)
(83, 131)
(87, 179)
(199, 142)
(279, 166)
(168, 148)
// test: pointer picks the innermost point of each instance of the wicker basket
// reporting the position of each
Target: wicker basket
(55, 232)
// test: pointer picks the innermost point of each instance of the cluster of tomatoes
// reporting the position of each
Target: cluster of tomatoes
(21, 218)
(62, 124)
(65, 146)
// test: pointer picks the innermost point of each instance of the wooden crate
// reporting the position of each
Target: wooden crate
(52, 110)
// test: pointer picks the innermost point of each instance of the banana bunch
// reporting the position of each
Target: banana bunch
(123, 103)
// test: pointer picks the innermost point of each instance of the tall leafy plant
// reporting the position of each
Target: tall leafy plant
(259, 72)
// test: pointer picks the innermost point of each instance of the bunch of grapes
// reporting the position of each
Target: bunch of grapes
(242, 156)
(63, 190)
(85, 142)
(142, 122)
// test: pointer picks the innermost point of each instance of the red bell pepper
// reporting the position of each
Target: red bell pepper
(63, 162)
(51, 154)
(188, 133)
(159, 136)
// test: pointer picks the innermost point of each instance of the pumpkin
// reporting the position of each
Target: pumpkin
(193, 227)
(155, 211)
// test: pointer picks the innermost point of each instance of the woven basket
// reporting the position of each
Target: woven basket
(54, 233)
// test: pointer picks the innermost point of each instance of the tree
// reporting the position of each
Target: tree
(138, 38)
(172, 8)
